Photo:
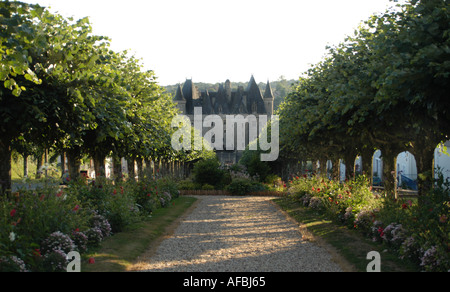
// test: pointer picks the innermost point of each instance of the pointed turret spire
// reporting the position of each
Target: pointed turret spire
(179, 95)
(269, 93)
(269, 98)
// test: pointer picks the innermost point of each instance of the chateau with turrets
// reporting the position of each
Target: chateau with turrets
(245, 102)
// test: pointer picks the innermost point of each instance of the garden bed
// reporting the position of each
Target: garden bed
(40, 227)
(415, 230)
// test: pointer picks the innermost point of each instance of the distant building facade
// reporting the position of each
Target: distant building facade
(243, 101)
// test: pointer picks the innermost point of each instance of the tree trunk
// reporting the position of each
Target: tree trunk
(425, 169)
(390, 171)
(99, 165)
(25, 166)
(63, 162)
(140, 167)
(367, 164)
(74, 163)
(5, 167)
(349, 159)
(323, 166)
(131, 170)
(39, 164)
(337, 169)
(117, 167)
(46, 162)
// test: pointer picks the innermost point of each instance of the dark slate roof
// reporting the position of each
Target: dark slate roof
(254, 97)
(190, 93)
(207, 104)
(241, 101)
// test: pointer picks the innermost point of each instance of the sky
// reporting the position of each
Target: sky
(214, 40)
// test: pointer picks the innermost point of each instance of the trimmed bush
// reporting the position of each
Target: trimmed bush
(242, 187)
(208, 172)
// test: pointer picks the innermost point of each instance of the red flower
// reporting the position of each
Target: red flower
(381, 231)
(77, 207)
(13, 213)
(285, 186)
(91, 261)
(404, 206)
(37, 253)
(59, 194)
(77, 230)
(115, 192)
(149, 195)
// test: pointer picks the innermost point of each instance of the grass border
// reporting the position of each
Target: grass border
(121, 251)
(351, 245)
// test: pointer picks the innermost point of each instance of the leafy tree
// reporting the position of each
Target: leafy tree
(384, 88)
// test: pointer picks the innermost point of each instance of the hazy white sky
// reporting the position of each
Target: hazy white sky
(216, 40)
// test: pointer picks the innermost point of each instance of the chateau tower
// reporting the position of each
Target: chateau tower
(180, 100)
(269, 99)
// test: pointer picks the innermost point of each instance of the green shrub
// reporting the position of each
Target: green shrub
(208, 172)
(273, 180)
(168, 185)
(187, 185)
(251, 160)
(242, 187)
(207, 187)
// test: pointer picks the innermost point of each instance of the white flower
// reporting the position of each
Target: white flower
(12, 236)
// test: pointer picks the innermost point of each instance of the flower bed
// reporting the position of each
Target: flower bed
(39, 228)
(415, 231)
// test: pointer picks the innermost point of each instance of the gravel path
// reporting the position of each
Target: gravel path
(237, 234)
